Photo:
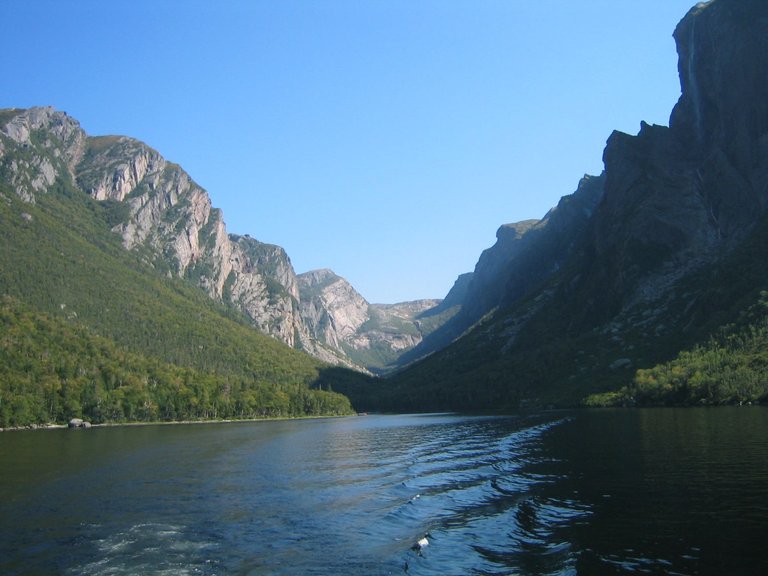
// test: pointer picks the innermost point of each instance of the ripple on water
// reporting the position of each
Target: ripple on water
(480, 505)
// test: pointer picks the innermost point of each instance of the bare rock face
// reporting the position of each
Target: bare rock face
(678, 197)
(165, 213)
(263, 284)
(526, 254)
(338, 318)
(332, 309)
(51, 145)
(173, 217)
(724, 78)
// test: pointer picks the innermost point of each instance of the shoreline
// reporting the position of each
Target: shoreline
(50, 426)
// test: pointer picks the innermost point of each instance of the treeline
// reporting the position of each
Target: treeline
(732, 368)
(52, 370)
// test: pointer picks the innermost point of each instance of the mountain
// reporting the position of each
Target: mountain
(92, 329)
(370, 335)
(161, 214)
(664, 251)
(525, 256)
(170, 219)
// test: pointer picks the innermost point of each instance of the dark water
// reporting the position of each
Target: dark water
(605, 492)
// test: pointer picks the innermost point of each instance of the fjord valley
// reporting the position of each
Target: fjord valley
(589, 400)
(126, 298)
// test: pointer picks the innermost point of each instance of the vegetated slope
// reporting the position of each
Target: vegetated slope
(90, 326)
(674, 250)
(731, 367)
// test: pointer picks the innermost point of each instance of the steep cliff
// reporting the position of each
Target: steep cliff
(369, 335)
(171, 219)
(39, 146)
(670, 248)
(678, 198)
(157, 210)
(525, 256)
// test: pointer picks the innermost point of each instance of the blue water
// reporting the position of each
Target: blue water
(609, 492)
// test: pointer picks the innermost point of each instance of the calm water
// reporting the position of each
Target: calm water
(604, 492)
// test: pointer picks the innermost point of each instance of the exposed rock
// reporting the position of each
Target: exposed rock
(332, 309)
(671, 249)
(678, 198)
(620, 363)
(371, 335)
(50, 144)
(173, 217)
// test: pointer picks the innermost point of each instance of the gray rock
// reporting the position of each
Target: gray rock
(620, 363)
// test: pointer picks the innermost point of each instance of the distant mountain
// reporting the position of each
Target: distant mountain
(369, 335)
(526, 255)
(660, 254)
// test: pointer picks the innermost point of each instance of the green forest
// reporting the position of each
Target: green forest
(51, 371)
(732, 368)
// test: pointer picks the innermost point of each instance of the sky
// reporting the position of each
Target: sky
(386, 140)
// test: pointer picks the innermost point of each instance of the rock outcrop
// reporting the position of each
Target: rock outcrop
(47, 145)
(679, 197)
(370, 335)
(172, 218)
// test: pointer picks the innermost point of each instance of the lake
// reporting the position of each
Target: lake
(659, 491)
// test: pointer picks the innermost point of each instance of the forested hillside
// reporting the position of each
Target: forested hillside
(91, 330)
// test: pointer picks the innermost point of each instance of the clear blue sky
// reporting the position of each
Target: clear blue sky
(385, 139)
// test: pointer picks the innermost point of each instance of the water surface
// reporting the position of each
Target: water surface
(592, 492)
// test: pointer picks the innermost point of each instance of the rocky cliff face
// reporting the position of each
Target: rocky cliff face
(664, 248)
(525, 256)
(164, 213)
(171, 217)
(671, 199)
(677, 198)
(370, 335)
(38, 146)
